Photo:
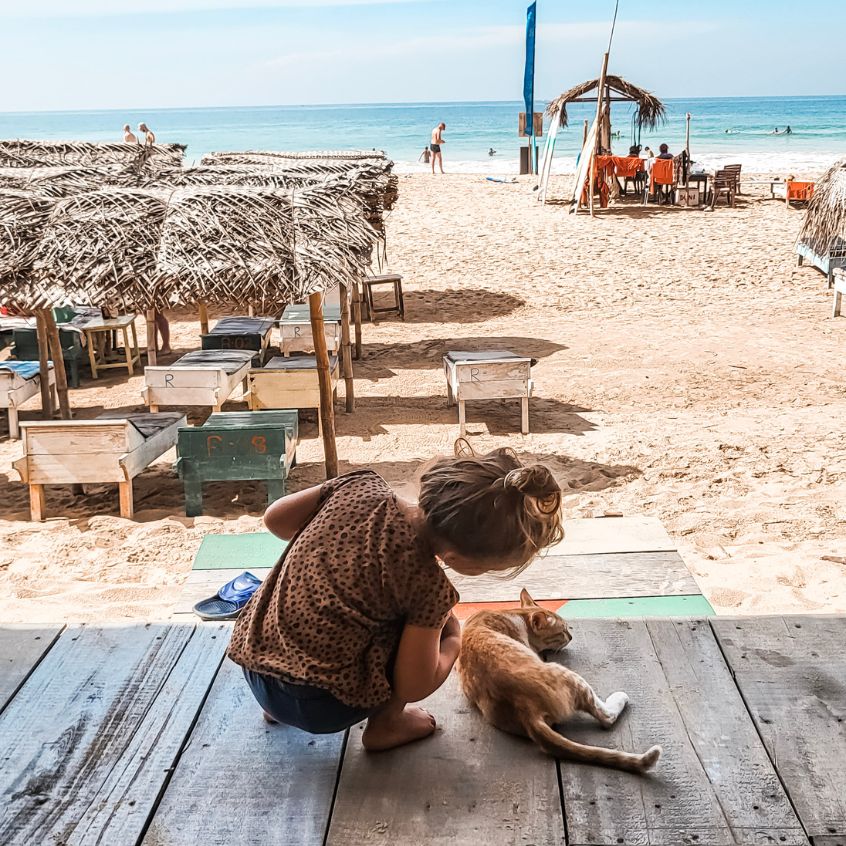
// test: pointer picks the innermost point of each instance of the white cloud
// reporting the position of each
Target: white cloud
(83, 8)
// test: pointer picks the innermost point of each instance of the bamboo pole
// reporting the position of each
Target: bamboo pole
(327, 409)
(599, 92)
(44, 365)
(204, 318)
(584, 134)
(356, 310)
(58, 363)
(151, 336)
(687, 151)
(346, 347)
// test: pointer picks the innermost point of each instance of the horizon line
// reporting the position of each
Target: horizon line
(387, 103)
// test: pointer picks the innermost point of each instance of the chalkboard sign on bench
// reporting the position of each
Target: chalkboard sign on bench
(240, 333)
(237, 446)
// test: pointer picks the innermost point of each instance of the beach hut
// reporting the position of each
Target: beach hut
(602, 92)
(822, 239)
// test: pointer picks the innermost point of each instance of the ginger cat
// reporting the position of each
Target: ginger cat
(503, 675)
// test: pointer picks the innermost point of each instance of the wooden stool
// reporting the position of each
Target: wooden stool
(488, 375)
(237, 446)
(392, 279)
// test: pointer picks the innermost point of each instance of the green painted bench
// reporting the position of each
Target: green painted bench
(237, 446)
(240, 333)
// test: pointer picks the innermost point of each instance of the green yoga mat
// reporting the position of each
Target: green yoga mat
(640, 606)
(252, 551)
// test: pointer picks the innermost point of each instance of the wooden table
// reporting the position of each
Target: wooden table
(138, 733)
(94, 329)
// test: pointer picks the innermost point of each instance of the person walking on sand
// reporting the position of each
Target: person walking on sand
(149, 135)
(435, 146)
(129, 136)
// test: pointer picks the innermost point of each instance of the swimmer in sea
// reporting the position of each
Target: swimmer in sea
(491, 152)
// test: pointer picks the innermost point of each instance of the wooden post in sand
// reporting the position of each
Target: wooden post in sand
(204, 318)
(327, 409)
(356, 313)
(151, 336)
(58, 363)
(44, 364)
(346, 350)
(600, 90)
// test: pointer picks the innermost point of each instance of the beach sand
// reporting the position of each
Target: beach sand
(687, 369)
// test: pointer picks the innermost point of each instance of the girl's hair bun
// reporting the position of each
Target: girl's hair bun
(537, 482)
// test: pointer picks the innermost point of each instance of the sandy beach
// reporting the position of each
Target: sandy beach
(687, 369)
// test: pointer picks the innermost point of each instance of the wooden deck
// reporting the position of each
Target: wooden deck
(144, 734)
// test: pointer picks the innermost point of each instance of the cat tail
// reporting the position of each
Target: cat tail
(556, 744)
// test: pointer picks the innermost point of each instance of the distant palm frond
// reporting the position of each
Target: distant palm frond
(23, 217)
(29, 153)
(650, 109)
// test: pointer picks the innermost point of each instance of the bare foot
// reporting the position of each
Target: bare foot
(165, 351)
(269, 719)
(389, 729)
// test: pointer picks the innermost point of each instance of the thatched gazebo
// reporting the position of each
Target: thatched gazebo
(822, 239)
(649, 112)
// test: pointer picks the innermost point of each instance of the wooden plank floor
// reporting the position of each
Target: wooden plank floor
(132, 735)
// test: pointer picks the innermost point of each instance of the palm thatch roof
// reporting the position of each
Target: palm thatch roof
(263, 245)
(318, 155)
(23, 217)
(650, 109)
(825, 219)
(99, 247)
(29, 153)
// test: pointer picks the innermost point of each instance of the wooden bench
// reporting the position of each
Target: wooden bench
(839, 291)
(488, 375)
(240, 333)
(827, 263)
(237, 446)
(20, 380)
(295, 329)
(288, 383)
(201, 378)
(107, 449)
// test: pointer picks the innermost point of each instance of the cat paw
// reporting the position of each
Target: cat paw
(616, 703)
(650, 758)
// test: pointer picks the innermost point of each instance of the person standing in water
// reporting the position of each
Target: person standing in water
(129, 136)
(435, 146)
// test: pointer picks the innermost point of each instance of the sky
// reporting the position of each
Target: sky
(110, 54)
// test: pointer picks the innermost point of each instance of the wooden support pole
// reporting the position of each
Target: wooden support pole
(44, 365)
(346, 348)
(356, 311)
(327, 410)
(600, 90)
(151, 336)
(204, 318)
(58, 364)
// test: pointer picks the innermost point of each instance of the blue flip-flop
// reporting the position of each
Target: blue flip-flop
(229, 601)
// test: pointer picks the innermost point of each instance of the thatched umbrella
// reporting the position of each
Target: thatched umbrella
(825, 219)
(650, 110)
(23, 216)
(28, 153)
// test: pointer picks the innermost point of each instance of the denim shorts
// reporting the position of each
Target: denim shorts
(311, 709)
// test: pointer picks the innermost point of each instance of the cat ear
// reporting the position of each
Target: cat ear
(526, 600)
(537, 621)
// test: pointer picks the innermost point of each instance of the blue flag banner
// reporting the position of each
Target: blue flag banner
(529, 73)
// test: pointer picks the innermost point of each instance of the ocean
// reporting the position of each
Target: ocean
(473, 129)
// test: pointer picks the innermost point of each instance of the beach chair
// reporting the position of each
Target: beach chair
(289, 383)
(237, 446)
(631, 170)
(661, 182)
(73, 351)
(498, 374)
(839, 291)
(20, 380)
(724, 182)
(295, 328)
(113, 448)
(240, 333)
(733, 171)
(199, 378)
